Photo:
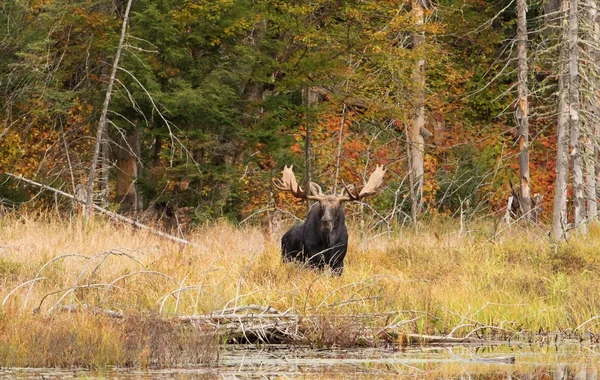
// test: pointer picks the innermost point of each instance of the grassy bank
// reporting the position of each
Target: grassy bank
(433, 282)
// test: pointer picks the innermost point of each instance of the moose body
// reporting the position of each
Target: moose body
(323, 238)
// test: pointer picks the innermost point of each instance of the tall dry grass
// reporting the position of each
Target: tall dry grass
(435, 281)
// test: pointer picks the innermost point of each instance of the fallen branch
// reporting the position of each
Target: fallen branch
(111, 214)
(234, 326)
(410, 339)
(267, 325)
(437, 339)
(93, 310)
(496, 360)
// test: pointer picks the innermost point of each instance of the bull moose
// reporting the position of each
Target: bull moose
(323, 238)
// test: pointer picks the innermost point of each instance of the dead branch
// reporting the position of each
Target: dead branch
(19, 287)
(267, 325)
(111, 214)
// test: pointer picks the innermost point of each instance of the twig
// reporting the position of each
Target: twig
(95, 310)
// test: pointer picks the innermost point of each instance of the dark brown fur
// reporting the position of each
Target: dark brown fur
(321, 240)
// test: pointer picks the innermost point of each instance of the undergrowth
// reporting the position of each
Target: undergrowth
(434, 281)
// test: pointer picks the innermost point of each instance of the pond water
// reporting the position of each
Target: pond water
(566, 361)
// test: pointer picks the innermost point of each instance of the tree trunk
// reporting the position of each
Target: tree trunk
(308, 99)
(417, 144)
(102, 123)
(339, 148)
(573, 112)
(559, 212)
(522, 110)
(128, 154)
(104, 176)
(439, 129)
(307, 103)
(592, 126)
(411, 179)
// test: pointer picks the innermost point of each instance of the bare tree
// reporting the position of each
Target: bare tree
(415, 139)
(522, 110)
(576, 145)
(559, 214)
(591, 109)
(102, 122)
(309, 98)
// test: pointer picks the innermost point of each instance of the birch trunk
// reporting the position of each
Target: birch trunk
(559, 212)
(102, 123)
(522, 110)
(417, 144)
(573, 112)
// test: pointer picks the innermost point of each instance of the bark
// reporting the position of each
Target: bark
(573, 113)
(157, 150)
(439, 129)
(551, 21)
(104, 170)
(592, 130)
(411, 180)
(308, 99)
(522, 110)
(559, 212)
(417, 144)
(102, 123)
(127, 173)
(339, 148)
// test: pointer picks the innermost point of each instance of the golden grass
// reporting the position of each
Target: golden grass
(442, 281)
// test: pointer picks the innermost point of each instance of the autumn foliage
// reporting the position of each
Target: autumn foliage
(220, 94)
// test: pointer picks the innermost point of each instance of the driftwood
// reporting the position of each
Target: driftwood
(111, 214)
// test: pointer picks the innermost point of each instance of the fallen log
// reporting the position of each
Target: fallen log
(234, 326)
(409, 339)
(440, 339)
(255, 323)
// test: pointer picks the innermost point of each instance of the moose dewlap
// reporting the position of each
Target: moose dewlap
(323, 238)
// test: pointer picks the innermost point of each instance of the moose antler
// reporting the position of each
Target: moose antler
(288, 182)
(375, 180)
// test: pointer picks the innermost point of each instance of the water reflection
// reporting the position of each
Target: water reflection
(567, 361)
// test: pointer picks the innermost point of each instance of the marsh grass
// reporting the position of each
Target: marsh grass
(431, 282)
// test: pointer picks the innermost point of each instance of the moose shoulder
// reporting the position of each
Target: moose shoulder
(323, 238)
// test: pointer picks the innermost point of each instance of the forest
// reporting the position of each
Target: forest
(193, 107)
(146, 157)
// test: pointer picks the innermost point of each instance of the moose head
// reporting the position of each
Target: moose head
(323, 238)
